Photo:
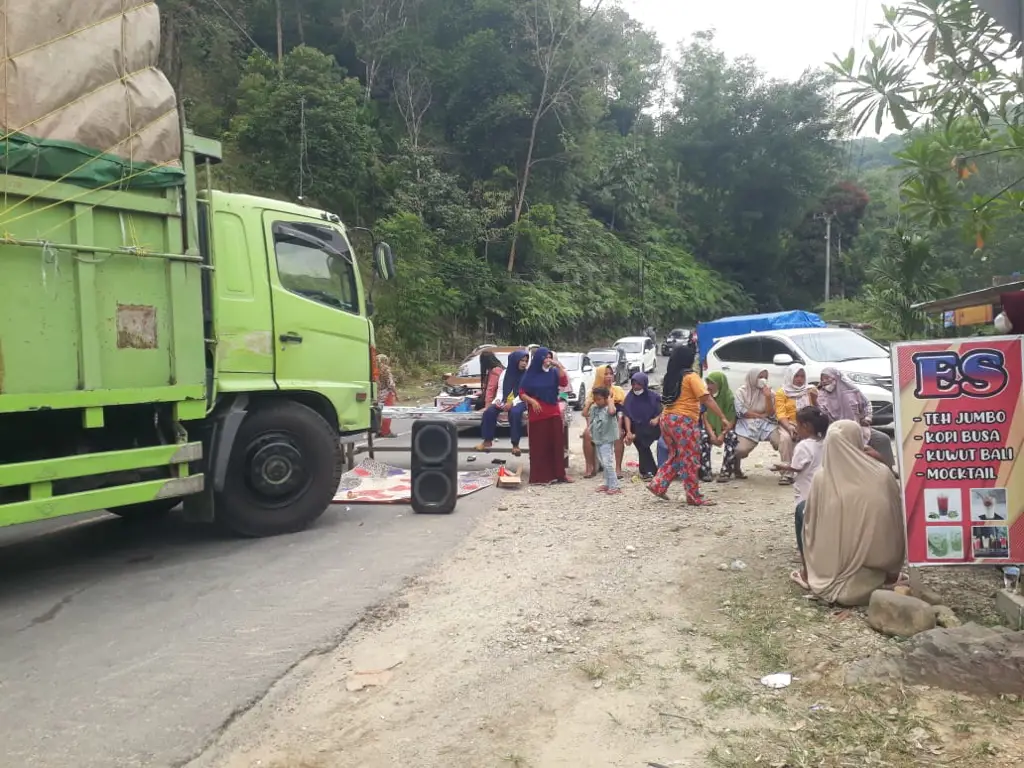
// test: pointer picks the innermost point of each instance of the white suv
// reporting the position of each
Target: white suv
(866, 363)
(640, 352)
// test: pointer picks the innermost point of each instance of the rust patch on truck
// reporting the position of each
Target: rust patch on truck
(136, 326)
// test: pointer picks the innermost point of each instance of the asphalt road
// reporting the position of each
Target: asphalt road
(128, 645)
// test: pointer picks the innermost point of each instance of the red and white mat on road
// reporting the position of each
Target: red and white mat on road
(373, 482)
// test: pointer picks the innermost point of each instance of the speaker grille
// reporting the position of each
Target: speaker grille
(432, 488)
(433, 444)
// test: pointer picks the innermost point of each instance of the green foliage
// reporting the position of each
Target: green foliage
(509, 153)
(904, 275)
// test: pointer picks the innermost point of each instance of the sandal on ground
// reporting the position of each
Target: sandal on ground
(482, 448)
(723, 477)
(702, 503)
(517, 451)
(707, 478)
(614, 492)
(655, 493)
(620, 475)
(797, 579)
(739, 475)
(785, 481)
(602, 489)
(590, 475)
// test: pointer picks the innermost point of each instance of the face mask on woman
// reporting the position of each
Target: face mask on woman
(762, 383)
(830, 387)
(638, 391)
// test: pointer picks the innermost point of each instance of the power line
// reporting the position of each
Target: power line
(241, 29)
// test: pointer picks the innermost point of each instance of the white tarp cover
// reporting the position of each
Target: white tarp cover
(85, 72)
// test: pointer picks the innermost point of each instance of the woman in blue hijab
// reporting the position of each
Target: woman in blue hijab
(508, 403)
(539, 390)
(642, 412)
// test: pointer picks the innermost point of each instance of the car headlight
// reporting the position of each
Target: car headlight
(868, 379)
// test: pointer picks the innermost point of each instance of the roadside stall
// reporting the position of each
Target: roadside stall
(959, 431)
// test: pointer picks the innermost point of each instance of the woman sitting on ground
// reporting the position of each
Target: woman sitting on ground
(539, 390)
(604, 376)
(839, 398)
(641, 413)
(791, 397)
(755, 417)
(508, 403)
(683, 395)
(852, 535)
(715, 431)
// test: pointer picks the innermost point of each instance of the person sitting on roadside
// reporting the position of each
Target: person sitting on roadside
(715, 431)
(491, 370)
(793, 395)
(539, 390)
(853, 538)
(603, 423)
(640, 418)
(604, 376)
(811, 427)
(755, 417)
(839, 398)
(508, 403)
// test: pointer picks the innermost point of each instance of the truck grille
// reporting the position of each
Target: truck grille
(885, 382)
(881, 410)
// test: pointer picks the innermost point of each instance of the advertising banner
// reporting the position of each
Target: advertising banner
(959, 431)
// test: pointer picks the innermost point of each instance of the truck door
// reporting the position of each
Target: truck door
(321, 333)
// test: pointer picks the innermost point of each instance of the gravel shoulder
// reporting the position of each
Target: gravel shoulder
(570, 629)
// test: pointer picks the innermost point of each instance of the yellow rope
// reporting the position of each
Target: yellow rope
(74, 170)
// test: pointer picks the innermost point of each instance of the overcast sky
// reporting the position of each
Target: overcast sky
(785, 37)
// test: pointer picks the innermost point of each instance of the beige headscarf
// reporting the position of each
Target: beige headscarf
(748, 396)
(854, 536)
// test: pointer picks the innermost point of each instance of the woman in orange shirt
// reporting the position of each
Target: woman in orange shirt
(683, 393)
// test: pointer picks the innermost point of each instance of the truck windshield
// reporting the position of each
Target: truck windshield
(322, 273)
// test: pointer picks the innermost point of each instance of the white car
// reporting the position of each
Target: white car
(866, 363)
(581, 375)
(640, 352)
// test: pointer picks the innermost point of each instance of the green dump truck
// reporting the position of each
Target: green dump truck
(161, 341)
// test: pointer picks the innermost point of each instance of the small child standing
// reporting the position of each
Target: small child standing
(811, 426)
(604, 431)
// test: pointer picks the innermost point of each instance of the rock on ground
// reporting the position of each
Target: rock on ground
(970, 659)
(899, 615)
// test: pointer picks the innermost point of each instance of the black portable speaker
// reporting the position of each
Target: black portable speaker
(435, 467)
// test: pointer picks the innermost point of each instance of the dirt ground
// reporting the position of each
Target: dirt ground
(571, 629)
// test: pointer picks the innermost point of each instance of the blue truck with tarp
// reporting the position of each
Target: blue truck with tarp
(708, 334)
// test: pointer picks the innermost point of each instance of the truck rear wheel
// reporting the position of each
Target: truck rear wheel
(284, 470)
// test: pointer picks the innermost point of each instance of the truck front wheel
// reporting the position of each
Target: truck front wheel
(284, 470)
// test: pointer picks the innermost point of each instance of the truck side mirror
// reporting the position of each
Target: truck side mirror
(383, 261)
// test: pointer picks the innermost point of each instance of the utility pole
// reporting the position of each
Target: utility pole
(828, 250)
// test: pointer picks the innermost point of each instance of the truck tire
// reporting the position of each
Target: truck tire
(284, 470)
(146, 510)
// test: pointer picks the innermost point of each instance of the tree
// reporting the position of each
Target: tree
(964, 107)
(904, 275)
(556, 36)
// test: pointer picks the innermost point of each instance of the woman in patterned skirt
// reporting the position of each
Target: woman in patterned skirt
(683, 393)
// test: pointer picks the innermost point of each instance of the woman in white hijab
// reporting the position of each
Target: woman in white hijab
(853, 536)
(793, 395)
(755, 417)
